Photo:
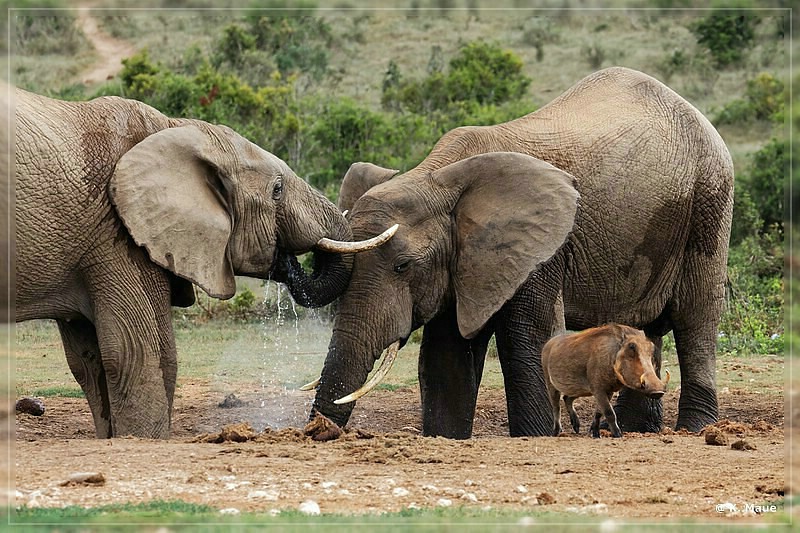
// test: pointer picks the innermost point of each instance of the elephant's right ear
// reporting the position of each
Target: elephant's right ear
(168, 193)
(512, 213)
(360, 178)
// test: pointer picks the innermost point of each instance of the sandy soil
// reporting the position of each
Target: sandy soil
(382, 463)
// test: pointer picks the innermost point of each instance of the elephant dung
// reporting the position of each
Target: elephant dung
(31, 406)
(715, 436)
(85, 478)
(322, 429)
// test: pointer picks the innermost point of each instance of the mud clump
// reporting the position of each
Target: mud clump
(715, 436)
(241, 432)
(30, 406)
(742, 445)
(85, 478)
(322, 429)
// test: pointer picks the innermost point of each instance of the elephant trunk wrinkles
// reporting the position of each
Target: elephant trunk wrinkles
(346, 369)
(329, 277)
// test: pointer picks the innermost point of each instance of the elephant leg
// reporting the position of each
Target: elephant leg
(695, 314)
(522, 326)
(637, 412)
(450, 371)
(697, 406)
(137, 345)
(83, 356)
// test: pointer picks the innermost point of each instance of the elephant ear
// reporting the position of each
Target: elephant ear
(169, 192)
(512, 213)
(360, 178)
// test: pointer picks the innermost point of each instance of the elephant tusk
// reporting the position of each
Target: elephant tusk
(310, 386)
(345, 247)
(386, 364)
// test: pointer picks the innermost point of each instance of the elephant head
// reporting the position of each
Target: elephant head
(207, 204)
(469, 235)
(120, 209)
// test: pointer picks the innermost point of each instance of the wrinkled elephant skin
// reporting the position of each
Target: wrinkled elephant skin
(119, 210)
(648, 248)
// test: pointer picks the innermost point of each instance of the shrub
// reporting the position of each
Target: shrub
(765, 98)
(45, 31)
(481, 72)
(726, 35)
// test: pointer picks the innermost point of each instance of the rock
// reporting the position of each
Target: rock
(30, 406)
(85, 478)
(400, 492)
(230, 402)
(444, 502)
(229, 510)
(322, 429)
(715, 437)
(309, 507)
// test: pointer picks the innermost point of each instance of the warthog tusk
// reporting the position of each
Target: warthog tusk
(386, 364)
(345, 247)
(641, 380)
(310, 386)
(667, 381)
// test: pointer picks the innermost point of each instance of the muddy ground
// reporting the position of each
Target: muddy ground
(383, 464)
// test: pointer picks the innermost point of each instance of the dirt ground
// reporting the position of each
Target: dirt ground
(382, 463)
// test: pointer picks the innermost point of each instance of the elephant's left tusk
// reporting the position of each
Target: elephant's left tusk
(310, 386)
(345, 247)
(386, 364)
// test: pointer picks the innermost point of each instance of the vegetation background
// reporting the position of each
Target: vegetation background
(324, 85)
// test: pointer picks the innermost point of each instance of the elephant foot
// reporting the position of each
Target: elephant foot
(694, 420)
(637, 413)
(697, 407)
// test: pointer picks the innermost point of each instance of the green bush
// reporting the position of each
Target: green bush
(480, 72)
(765, 99)
(726, 35)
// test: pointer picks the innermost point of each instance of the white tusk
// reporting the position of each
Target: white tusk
(641, 380)
(386, 364)
(344, 213)
(310, 386)
(346, 247)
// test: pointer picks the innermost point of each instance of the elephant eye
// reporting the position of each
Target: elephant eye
(402, 265)
(277, 189)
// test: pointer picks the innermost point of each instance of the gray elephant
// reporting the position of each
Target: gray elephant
(120, 209)
(649, 248)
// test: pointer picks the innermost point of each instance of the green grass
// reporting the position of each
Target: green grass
(121, 517)
(62, 392)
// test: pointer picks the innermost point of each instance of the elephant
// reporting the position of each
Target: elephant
(6, 205)
(648, 248)
(120, 210)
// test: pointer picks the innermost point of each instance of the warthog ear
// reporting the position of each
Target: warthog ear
(512, 212)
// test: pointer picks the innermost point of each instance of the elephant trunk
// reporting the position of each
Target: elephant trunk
(330, 271)
(346, 369)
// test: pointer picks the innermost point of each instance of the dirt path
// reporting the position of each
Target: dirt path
(110, 51)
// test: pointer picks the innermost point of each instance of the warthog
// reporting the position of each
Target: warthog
(598, 362)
